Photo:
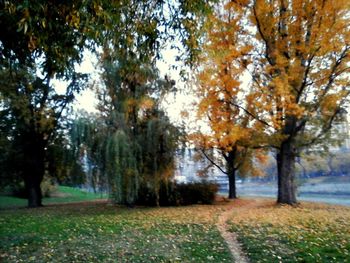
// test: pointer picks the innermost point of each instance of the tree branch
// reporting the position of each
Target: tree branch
(264, 38)
(306, 73)
(333, 75)
(326, 128)
(212, 162)
(250, 114)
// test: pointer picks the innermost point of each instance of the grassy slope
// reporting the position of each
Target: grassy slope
(65, 195)
(308, 233)
(103, 233)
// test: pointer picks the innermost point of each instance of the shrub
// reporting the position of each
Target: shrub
(197, 193)
(146, 196)
(171, 194)
(19, 190)
(47, 187)
(168, 194)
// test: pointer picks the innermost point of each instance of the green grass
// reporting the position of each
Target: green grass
(99, 232)
(308, 233)
(64, 194)
(104, 233)
(73, 195)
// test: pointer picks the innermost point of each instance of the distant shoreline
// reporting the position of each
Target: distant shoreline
(327, 198)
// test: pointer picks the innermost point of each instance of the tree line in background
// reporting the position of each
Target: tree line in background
(270, 76)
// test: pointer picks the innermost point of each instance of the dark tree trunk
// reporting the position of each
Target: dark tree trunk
(34, 168)
(232, 184)
(231, 173)
(34, 194)
(33, 176)
(286, 174)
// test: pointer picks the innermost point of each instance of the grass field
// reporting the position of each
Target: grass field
(104, 233)
(308, 233)
(99, 232)
(65, 194)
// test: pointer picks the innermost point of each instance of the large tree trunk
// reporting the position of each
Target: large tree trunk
(34, 169)
(286, 174)
(232, 184)
(231, 173)
(34, 193)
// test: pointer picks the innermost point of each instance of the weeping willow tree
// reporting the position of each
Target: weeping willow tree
(134, 144)
(129, 162)
(121, 168)
(159, 142)
(131, 143)
(141, 141)
(87, 140)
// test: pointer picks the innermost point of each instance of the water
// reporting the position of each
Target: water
(338, 194)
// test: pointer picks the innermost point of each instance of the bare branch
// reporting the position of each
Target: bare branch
(264, 38)
(333, 75)
(250, 114)
(212, 161)
(306, 73)
(326, 128)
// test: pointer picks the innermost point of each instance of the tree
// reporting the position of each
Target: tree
(299, 65)
(40, 42)
(160, 144)
(220, 89)
(131, 106)
(301, 75)
(34, 109)
(131, 92)
(130, 144)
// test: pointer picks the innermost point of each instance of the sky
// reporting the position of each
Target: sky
(86, 99)
(173, 104)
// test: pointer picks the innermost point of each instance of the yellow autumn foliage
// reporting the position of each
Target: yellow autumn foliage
(146, 103)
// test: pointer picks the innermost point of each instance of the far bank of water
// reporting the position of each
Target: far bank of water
(323, 192)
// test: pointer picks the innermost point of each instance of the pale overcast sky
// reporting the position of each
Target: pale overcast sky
(174, 104)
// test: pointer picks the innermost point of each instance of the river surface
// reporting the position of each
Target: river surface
(324, 192)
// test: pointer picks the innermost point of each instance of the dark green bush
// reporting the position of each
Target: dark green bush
(168, 194)
(146, 196)
(171, 194)
(197, 193)
(18, 190)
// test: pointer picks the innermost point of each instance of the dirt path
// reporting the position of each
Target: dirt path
(236, 250)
